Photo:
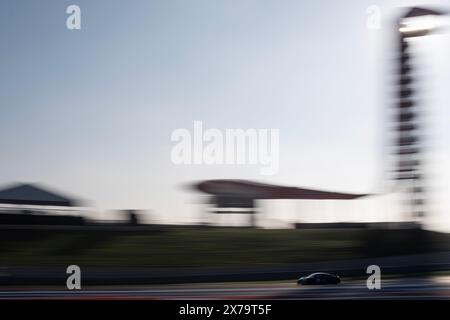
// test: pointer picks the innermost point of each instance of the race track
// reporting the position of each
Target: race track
(406, 288)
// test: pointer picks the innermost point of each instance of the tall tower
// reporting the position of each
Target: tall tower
(408, 168)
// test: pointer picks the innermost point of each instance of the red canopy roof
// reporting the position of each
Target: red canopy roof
(267, 191)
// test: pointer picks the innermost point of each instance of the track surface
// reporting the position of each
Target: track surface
(406, 288)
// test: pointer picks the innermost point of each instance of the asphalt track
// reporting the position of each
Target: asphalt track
(437, 287)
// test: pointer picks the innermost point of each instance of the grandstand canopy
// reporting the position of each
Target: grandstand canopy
(30, 194)
(257, 190)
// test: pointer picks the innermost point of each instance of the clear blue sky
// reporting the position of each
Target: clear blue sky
(91, 111)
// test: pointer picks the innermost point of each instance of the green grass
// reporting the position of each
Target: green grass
(208, 247)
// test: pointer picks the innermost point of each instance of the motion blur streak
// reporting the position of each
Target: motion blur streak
(96, 201)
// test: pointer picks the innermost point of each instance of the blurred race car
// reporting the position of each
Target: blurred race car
(319, 278)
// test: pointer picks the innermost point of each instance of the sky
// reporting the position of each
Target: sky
(91, 111)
